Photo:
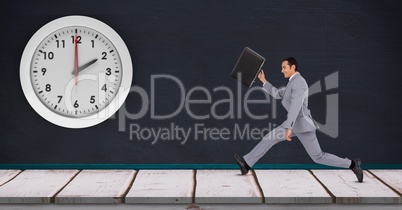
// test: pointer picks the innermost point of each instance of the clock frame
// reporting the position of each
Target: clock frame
(35, 92)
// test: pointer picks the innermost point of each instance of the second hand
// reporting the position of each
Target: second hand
(76, 59)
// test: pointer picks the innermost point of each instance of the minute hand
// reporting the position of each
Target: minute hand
(85, 65)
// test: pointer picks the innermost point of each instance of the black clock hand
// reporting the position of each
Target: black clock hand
(85, 65)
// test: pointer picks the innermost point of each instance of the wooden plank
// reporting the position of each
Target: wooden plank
(97, 186)
(35, 186)
(226, 186)
(6, 175)
(162, 186)
(393, 178)
(344, 186)
(291, 186)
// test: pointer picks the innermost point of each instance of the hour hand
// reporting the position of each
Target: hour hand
(84, 66)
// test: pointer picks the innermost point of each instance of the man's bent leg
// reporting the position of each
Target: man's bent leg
(275, 136)
(310, 143)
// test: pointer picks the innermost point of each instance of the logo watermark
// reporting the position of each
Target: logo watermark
(237, 104)
(331, 125)
(199, 131)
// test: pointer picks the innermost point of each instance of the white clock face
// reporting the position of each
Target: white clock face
(76, 71)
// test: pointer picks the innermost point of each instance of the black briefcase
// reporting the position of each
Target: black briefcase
(247, 67)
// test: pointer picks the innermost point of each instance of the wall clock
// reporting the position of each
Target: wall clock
(76, 71)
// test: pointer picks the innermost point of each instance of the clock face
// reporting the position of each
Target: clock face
(76, 71)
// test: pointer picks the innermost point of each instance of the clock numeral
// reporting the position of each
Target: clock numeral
(48, 88)
(78, 39)
(93, 43)
(63, 43)
(108, 71)
(60, 97)
(43, 71)
(104, 87)
(92, 100)
(104, 56)
(76, 104)
(49, 55)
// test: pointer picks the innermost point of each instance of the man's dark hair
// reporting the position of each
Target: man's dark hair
(291, 61)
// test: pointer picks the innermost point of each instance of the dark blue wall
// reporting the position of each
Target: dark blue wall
(199, 42)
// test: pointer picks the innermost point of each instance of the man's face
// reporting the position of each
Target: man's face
(287, 70)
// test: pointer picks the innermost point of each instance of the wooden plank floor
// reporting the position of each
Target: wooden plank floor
(392, 178)
(7, 175)
(226, 186)
(35, 186)
(344, 186)
(200, 186)
(291, 186)
(97, 186)
(162, 186)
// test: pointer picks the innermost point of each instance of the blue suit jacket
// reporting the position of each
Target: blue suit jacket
(295, 100)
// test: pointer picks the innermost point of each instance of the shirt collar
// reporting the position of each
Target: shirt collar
(293, 76)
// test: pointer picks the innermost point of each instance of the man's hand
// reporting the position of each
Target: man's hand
(288, 134)
(261, 76)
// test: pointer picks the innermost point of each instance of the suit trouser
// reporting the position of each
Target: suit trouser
(309, 141)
